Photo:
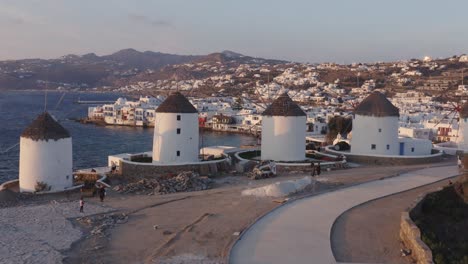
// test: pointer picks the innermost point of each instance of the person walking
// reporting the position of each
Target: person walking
(312, 165)
(102, 193)
(81, 204)
(113, 167)
(319, 170)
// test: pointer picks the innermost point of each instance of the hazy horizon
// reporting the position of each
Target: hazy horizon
(301, 31)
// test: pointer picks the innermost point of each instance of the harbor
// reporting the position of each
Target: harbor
(96, 142)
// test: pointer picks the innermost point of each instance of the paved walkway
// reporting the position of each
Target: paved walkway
(300, 232)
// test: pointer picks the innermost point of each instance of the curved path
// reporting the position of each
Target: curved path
(300, 232)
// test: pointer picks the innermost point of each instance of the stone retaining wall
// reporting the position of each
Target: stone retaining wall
(308, 169)
(410, 234)
(9, 185)
(141, 170)
(389, 160)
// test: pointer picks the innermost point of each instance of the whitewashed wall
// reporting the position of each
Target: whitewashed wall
(366, 132)
(283, 138)
(45, 161)
(463, 135)
(166, 141)
(416, 147)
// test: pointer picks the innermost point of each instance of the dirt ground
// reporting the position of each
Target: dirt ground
(198, 227)
(191, 227)
(369, 233)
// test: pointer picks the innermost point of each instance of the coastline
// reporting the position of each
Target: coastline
(100, 122)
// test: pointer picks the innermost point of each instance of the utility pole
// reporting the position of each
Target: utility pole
(357, 79)
(463, 75)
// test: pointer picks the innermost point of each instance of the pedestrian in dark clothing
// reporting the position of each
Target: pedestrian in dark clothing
(319, 170)
(81, 205)
(113, 167)
(312, 165)
(102, 193)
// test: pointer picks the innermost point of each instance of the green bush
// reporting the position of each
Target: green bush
(443, 221)
(41, 187)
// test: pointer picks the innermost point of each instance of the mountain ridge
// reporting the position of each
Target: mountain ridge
(90, 69)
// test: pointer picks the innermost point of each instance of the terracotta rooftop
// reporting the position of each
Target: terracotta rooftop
(284, 106)
(176, 103)
(376, 104)
(45, 127)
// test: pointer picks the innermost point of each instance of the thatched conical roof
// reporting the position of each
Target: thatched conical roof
(283, 106)
(176, 103)
(376, 104)
(45, 127)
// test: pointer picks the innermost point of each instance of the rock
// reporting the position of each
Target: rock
(97, 247)
(183, 182)
(167, 232)
(261, 171)
(122, 220)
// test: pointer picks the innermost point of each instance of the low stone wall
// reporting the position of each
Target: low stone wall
(410, 235)
(391, 160)
(141, 170)
(305, 167)
(9, 185)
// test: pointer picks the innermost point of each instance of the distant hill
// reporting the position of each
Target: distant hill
(91, 70)
(148, 59)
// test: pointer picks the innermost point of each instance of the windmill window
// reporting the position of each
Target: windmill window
(380, 130)
(178, 153)
(178, 117)
(412, 149)
(178, 131)
(372, 146)
(388, 147)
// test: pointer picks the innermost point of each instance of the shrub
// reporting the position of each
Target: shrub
(41, 186)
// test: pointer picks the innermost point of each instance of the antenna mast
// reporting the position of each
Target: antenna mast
(47, 87)
(45, 99)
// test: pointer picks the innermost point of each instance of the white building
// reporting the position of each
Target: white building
(127, 113)
(375, 127)
(283, 131)
(176, 131)
(45, 156)
(463, 133)
(415, 132)
(463, 58)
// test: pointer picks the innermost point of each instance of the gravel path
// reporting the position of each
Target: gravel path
(39, 233)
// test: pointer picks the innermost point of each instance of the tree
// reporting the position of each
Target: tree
(237, 105)
(338, 125)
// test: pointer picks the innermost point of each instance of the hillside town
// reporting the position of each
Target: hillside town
(428, 92)
(233, 132)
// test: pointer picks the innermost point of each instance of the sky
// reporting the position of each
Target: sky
(341, 31)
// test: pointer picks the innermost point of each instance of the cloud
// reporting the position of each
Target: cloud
(142, 19)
